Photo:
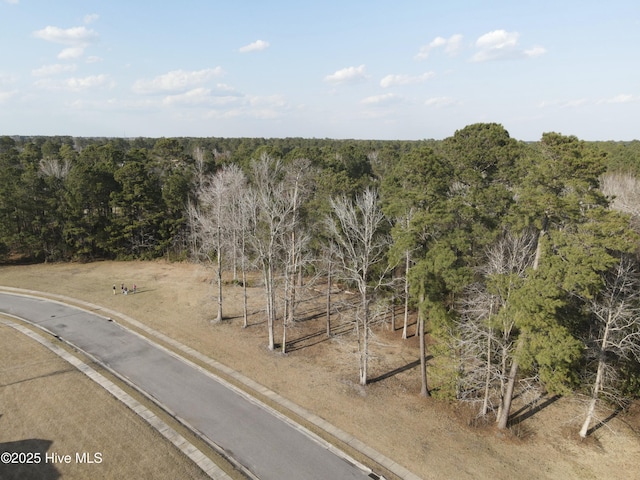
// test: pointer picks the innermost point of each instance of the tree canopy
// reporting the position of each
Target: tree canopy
(449, 211)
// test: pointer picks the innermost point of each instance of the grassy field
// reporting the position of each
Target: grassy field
(431, 438)
(49, 407)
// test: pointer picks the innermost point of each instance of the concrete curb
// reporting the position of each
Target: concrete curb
(193, 453)
(320, 423)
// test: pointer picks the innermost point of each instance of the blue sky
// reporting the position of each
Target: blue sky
(338, 69)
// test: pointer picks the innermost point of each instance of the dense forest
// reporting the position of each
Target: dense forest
(520, 259)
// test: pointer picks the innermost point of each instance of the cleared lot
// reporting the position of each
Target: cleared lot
(429, 437)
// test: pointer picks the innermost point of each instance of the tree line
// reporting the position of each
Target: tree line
(519, 259)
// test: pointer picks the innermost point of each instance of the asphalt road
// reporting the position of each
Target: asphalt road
(270, 448)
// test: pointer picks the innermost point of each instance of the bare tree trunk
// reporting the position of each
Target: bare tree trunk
(594, 399)
(329, 300)
(287, 308)
(393, 312)
(424, 389)
(235, 254)
(270, 304)
(487, 384)
(543, 231)
(503, 419)
(406, 295)
(364, 352)
(292, 282)
(244, 299)
(597, 386)
(219, 317)
(503, 384)
(359, 340)
(244, 285)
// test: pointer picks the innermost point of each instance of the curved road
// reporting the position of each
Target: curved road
(269, 447)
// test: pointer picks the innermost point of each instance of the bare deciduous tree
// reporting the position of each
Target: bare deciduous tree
(486, 327)
(213, 220)
(355, 227)
(616, 333)
(624, 191)
(55, 167)
(295, 240)
(245, 226)
(270, 212)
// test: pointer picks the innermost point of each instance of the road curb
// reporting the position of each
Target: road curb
(181, 443)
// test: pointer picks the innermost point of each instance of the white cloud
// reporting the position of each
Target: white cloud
(547, 103)
(71, 53)
(535, 52)
(452, 46)
(575, 103)
(176, 80)
(86, 82)
(272, 101)
(48, 70)
(7, 79)
(91, 18)
(196, 96)
(202, 97)
(256, 46)
(250, 106)
(75, 36)
(74, 83)
(225, 88)
(503, 45)
(499, 39)
(622, 98)
(6, 95)
(12, 2)
(392, 80)
(347, 75)
(382, 99)
(579, 102)
(78, 38)
(441, 102)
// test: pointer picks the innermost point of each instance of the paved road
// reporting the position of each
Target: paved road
(267, 446)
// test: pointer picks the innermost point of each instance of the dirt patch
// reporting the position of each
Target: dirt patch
(431, 438)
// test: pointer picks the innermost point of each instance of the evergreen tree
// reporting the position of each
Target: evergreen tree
(90, 184)
(138, 209)
(576, 236)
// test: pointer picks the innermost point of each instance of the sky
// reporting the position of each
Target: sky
(376, 69)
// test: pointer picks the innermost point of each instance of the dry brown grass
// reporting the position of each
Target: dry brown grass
(428, 437)
(48, 406)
